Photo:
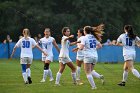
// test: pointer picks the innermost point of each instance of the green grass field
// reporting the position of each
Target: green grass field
(11, 79)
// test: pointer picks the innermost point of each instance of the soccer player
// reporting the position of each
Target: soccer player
(26, 43)
(80, 55)
(128, 41)
(47, 43)
(64, 58)
(90, 44)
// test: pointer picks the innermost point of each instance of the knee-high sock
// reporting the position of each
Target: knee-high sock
(135, 73)
(58, 75)
(91, 81)
(95, 74)
(78, 70)
(45, 74)
(28, 71)
(24, 74)
(125, 75)
(50, 73)
(73, 77)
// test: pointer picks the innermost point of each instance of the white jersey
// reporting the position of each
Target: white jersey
(47, 45)
(26, 46)
(64, 51)
(128, 44)
(79, 52)
(89, 42)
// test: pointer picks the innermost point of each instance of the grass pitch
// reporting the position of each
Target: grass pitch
(11, 80)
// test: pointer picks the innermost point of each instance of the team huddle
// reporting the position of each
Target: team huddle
(88, 42)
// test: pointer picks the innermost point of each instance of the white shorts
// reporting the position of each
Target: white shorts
(50, 58)
(80, 58)
(92, 60)
(64, 60)
(26, 60)
(129, 57)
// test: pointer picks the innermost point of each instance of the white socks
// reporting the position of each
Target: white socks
(135, 73)
(73, 77)
(125, 75)
(24, 76)
(28, 71)
(91, 81)
(50, 73)
(78, 70)
(58, 75)
(45, 74)
(95, 74)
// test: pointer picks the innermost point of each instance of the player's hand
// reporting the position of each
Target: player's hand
(45, 54)
(74, 49)
(71, 36)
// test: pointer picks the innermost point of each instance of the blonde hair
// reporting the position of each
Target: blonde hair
(27, 31)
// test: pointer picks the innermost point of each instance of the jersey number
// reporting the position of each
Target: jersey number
(92, 43)
(128, 42)
(26, 44)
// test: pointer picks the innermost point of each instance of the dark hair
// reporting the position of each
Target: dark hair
(89, 30)
(81, 31)
(64, 30)
(130, 32)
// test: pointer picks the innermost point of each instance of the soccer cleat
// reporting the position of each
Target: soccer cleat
(26, 82)
(42, 80)
(79, 82)
(121, 83)
(102, 79)
(51, 79)
(94, 88)
(75, 83)
(29, 80)
(78, 79)
(57, 84)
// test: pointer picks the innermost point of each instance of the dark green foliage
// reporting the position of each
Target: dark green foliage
(38, 14)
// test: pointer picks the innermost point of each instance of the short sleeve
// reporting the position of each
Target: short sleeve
(83, 41)
(34, 42)
(18, 44)
(97, 42)
(63, 38)
(119, 39)
(137, 38)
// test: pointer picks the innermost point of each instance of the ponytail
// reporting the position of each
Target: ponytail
(90, 30)
(130, 32)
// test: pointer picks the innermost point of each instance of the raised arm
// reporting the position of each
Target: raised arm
(71, 36)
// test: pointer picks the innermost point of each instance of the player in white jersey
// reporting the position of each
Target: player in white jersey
(47, 43)
(26, 43)
(128, 41)
(80, 55)
(64, 58)
(90, 44)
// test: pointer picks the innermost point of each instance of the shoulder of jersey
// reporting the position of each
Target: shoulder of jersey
(51, 37)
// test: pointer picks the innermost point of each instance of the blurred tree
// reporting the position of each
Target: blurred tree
(38, 14)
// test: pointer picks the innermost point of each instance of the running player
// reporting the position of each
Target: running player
(128, 41)
(64, 58)
(26, 43)
(90, 44)
(47, 43)
(80, 55)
